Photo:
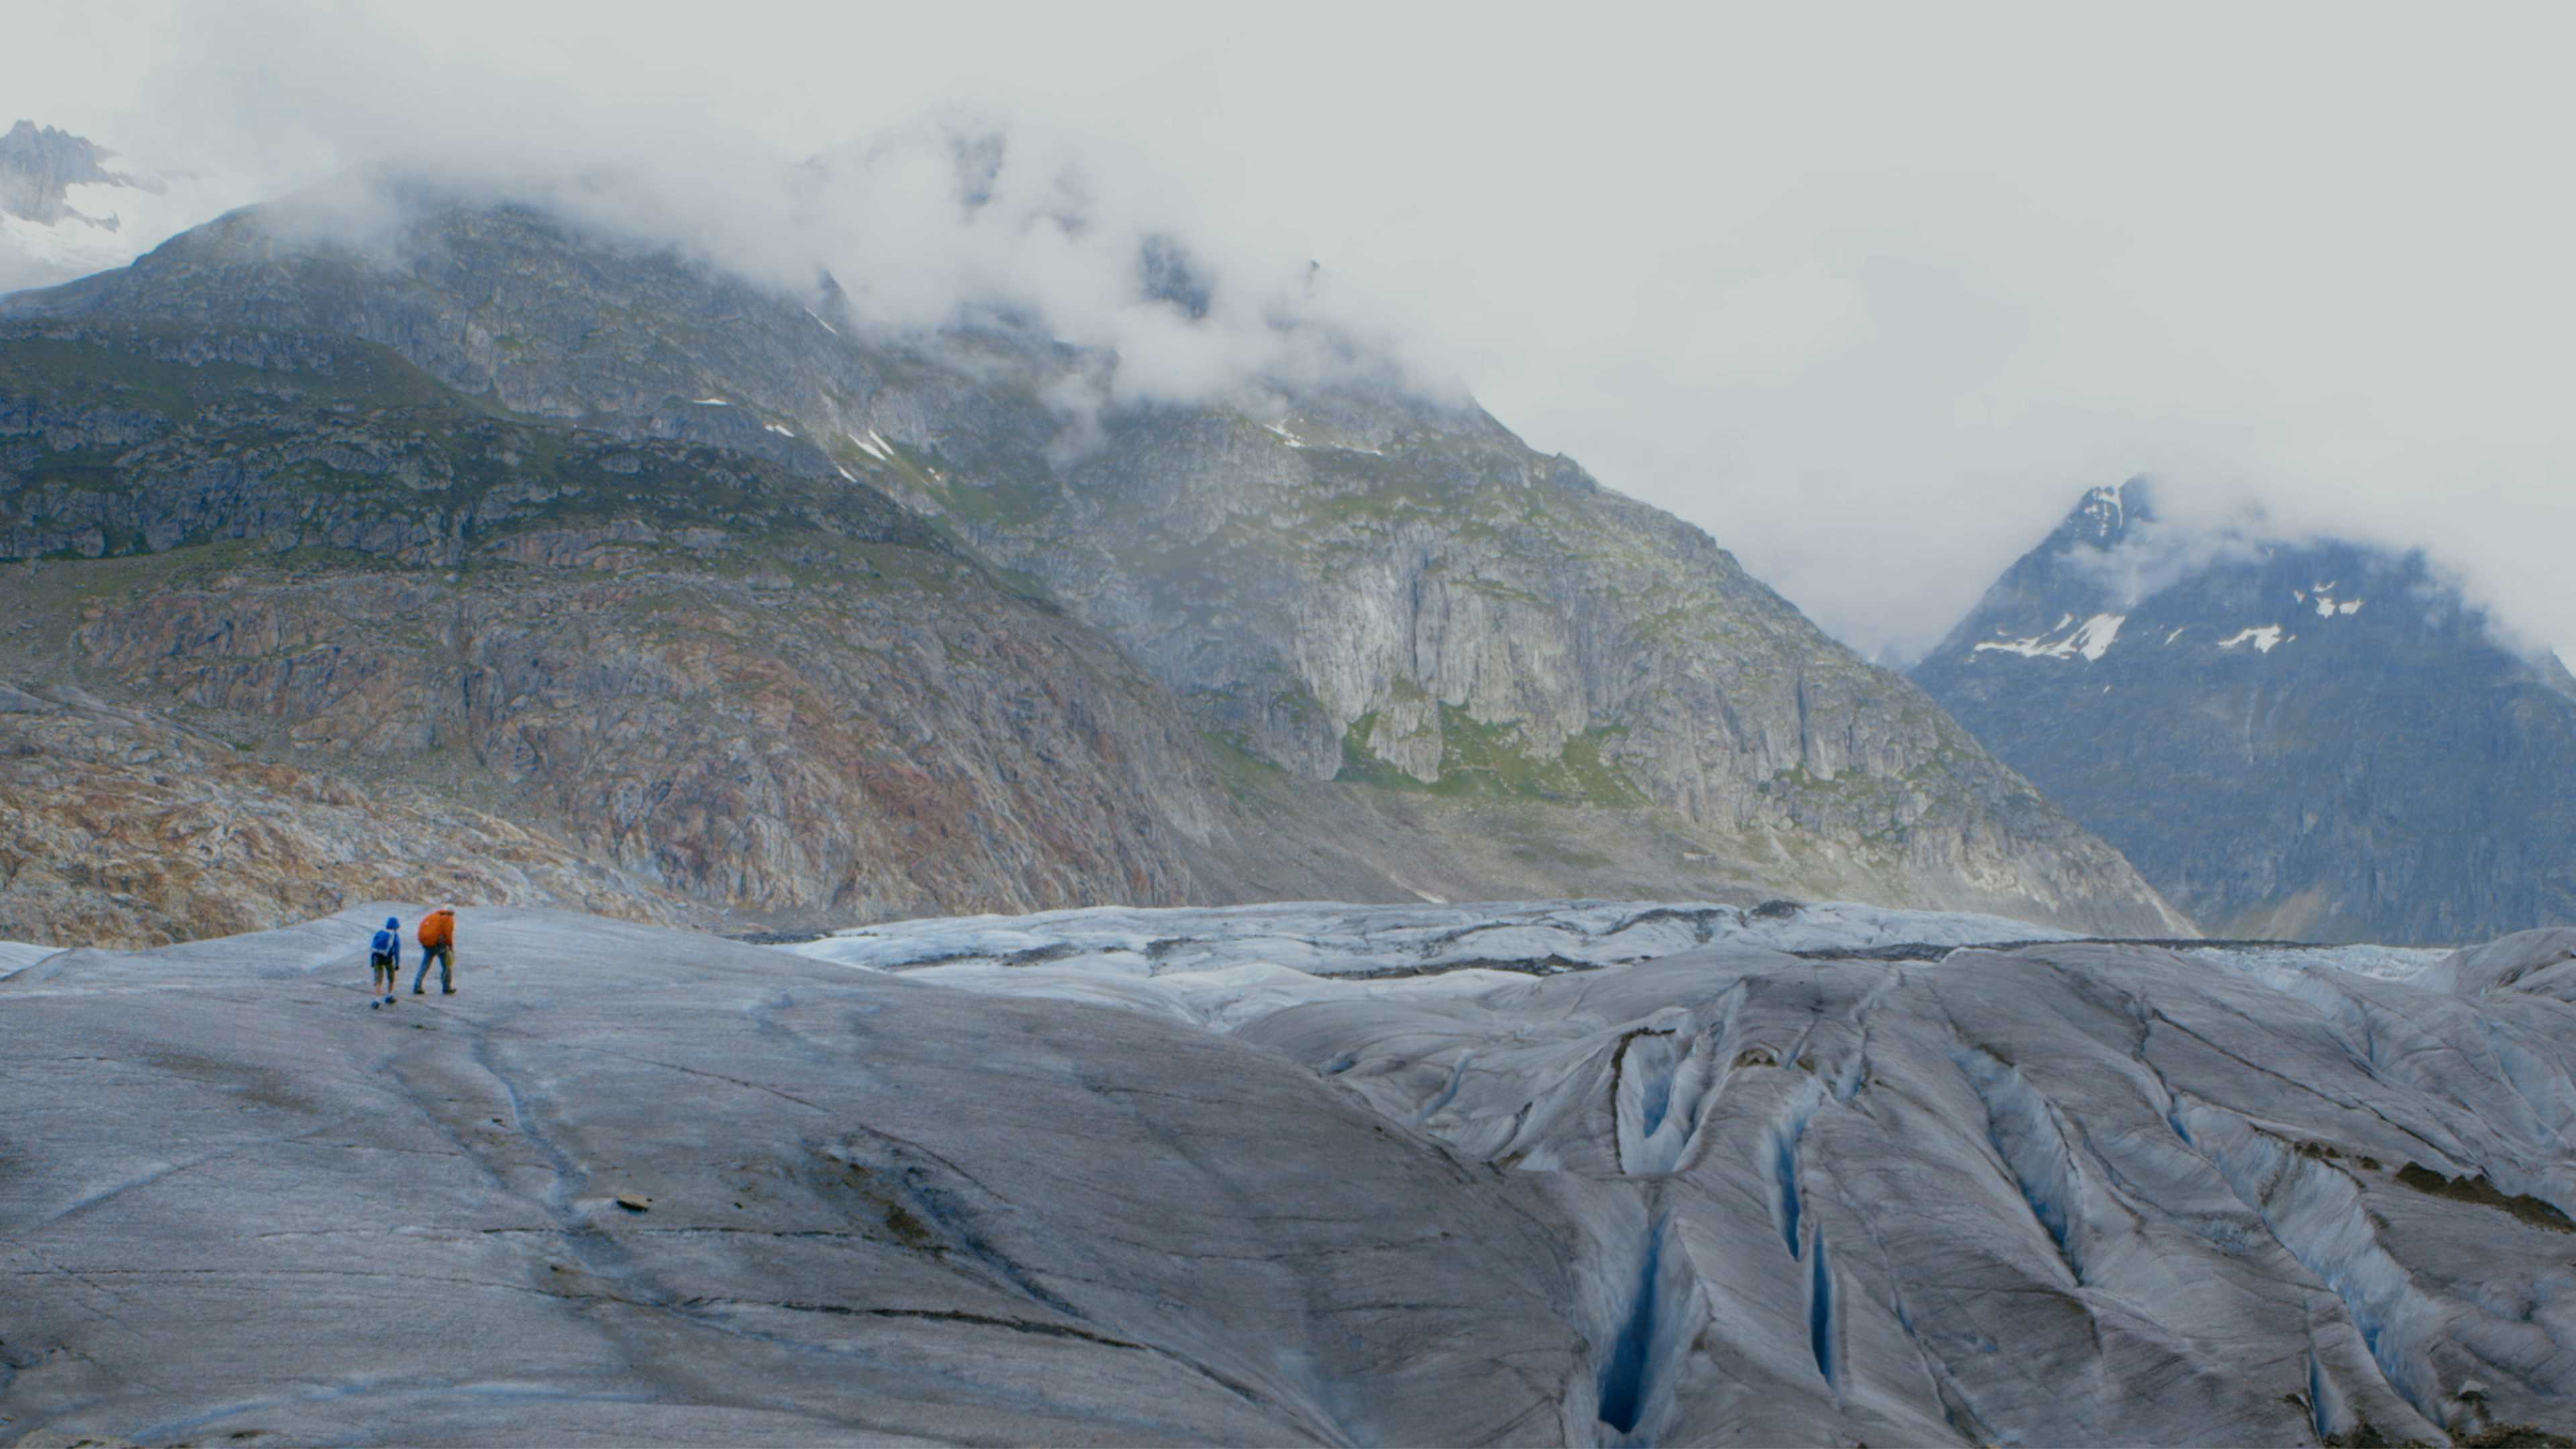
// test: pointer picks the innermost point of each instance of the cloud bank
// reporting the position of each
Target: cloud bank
(966, 217)
(1872, 296)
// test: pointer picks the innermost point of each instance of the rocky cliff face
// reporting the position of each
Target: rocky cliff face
(1342, 585)
(2319, 740)
(724, 682)
(1422, 602)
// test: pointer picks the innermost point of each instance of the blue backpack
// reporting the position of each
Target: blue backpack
(388, 942)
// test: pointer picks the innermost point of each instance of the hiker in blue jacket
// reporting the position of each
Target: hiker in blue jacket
(384, 956)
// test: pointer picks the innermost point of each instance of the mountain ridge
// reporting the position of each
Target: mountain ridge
(1378, 591)
(2315, 738)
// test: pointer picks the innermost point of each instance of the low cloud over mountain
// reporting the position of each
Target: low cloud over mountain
(1862, 312)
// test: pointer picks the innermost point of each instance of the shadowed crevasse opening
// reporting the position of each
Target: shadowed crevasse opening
(1626, 1374)
(1820, 1311)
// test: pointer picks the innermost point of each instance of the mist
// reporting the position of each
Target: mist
(1871, 296)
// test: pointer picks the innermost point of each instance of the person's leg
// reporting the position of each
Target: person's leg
(421, 977)
(446, 970)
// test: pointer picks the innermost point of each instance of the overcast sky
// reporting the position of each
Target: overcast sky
(1872, 294)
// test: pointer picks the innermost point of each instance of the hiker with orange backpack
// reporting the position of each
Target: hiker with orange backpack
(438, 943)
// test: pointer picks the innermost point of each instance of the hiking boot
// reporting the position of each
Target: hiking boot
(415, 991)
(447, 991)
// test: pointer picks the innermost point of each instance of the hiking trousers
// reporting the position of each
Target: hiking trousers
(445, 956)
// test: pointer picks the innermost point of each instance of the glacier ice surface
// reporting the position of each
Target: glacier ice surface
(1536, 1172)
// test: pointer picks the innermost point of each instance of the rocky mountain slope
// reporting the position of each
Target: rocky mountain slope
(1347, 586)
(118, 825)
(2318, 740)
(713, 678)
(1573, 1174)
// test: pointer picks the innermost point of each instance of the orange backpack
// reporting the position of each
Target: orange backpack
(438, 928)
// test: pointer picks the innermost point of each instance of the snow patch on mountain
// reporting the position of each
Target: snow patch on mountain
(2265, 639)
(65, 248)
(1293, 439)
(2089, 640)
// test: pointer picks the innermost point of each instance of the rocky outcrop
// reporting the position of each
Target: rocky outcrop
(121, 828)
(2318, 740)
(1344, 584)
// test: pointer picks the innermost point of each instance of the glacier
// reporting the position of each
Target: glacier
(16, 956)
(1530, 1172)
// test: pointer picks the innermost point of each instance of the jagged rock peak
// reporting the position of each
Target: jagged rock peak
(39, 166)
(2105, 513)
